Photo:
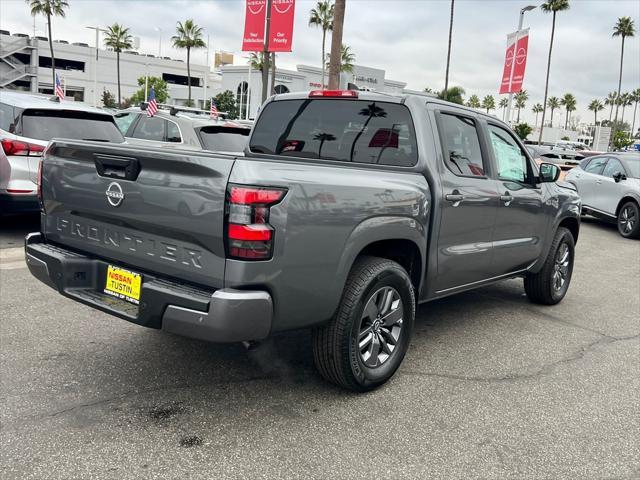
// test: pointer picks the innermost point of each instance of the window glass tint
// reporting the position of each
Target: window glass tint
(150, 128)
(595, 165)
(48, 124)
(173, 132)
(224, 139)
(124, 120)
(633, 164)
(342, 130)
(462, 147)
(613, 166)
(6, 116)
(510, 159)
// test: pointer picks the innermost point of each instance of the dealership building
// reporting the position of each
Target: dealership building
(25, 64)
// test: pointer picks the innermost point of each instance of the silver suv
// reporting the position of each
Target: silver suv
(609, 185)
(27, 123)
(182, 127)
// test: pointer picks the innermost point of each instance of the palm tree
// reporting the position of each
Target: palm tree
(569, 104)
(624, 101)
(611, 100)
(521, 99)
(635, 98)
(552, 103)
(537, 108)
(118, 38)
(323, 137)
(488, 103)
(371, 111)
(473, 102)
(322, 16)
(504, 103)
(49, 8)
(596, 106)
(336, 44)
(189, 35)
(347, 59)
(256, 60)
(623, 28)
(453, 95)
(446, 75)
(553, 6)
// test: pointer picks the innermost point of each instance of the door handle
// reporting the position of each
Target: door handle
(507, 199)
(455, 198)
(598, 182)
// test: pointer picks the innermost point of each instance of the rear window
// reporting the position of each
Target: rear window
(224, 139)
(340, 130)
(48, 124)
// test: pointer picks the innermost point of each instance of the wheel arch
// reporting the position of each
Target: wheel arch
(571, 224)
(626, 198)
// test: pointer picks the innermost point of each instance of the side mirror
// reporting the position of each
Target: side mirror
(619, 176)
(549, 172)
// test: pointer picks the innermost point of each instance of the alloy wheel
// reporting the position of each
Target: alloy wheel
(561, 267)
(627, 219)
(380, 327)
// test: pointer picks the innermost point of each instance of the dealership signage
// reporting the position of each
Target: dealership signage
(515, 62)
(280, 26)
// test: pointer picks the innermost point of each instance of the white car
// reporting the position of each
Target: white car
(27, 123)
(609, 186)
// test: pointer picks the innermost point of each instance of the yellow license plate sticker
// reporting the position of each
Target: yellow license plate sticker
(123, 284)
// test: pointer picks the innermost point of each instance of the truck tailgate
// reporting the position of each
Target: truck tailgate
(147, 209)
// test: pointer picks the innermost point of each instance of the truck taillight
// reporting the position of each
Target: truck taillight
(39, 183)
(19, 148)
(249, 234)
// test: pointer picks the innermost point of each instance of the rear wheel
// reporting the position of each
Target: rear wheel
(629, 220)
(364, 343)
(550, 285)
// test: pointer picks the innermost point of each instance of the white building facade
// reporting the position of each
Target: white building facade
(25, 64)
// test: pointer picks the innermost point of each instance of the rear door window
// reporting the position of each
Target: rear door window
(613, 166)
(6, 116)
(341, 130)
(224, 139)
(150, 128)
(596, 165)
(173, 132)
(461, 144)
(48, 124)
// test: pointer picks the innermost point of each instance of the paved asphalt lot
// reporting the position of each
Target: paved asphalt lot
(492, 387)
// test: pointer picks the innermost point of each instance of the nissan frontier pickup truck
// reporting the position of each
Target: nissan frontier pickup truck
(347, 211)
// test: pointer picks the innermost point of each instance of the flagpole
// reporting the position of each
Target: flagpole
(206, 76)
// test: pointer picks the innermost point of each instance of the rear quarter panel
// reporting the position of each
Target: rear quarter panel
(330, 213)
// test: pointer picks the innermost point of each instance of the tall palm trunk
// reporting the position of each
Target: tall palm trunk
(595, 118)
(566, 120)
(118, 70)
(324, 38)
(518, 118)
(336, 44)
(189, 75)
(446, 74)
(503, 112)
(633, 125)
(551, 120)
(357, 137)
(546, 83)
(53, 60)
(273, 73)
(537, 113)
(619, 80)
(611, 112)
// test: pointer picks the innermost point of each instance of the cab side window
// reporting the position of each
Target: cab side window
(596, 165)
(511, 160)
(173, 133)
(463, 155)
(150, 128)
(124, 121)
(613, 166)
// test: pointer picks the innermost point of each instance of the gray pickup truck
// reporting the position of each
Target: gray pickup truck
(347, 211)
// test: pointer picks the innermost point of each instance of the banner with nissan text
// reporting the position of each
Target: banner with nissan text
(515, 62)
(254, 20)
(281, 26)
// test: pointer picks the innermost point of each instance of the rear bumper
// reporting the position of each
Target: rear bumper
(225, 315)
(19, 203)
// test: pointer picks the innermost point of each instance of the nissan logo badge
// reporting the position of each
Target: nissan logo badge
(114, 194)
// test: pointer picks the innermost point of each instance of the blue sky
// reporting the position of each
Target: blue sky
(407, 38)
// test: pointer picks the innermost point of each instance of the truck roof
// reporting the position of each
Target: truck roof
(34, 100)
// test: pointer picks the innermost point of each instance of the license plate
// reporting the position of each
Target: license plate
(123, 284)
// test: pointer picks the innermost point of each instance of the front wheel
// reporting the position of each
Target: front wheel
(365, 342)
(550, 285)
(629, 220)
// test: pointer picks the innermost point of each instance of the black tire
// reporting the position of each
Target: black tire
(629, 220)
(336, 351)
(543, 287)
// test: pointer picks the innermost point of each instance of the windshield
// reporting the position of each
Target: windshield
(224, 139)
(48, 124)
(340, 130)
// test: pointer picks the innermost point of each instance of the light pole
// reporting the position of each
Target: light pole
(159, 30)
(95, 66)
(513, 59)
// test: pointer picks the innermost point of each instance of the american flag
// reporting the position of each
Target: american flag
(58, 90)
(152, 105)
(214, 110)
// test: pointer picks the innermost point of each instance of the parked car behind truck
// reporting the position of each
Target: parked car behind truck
(348, 210)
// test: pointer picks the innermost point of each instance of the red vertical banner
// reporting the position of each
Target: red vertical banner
(515, 62)
(254, 20)
(520, 61)
(281, 26)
